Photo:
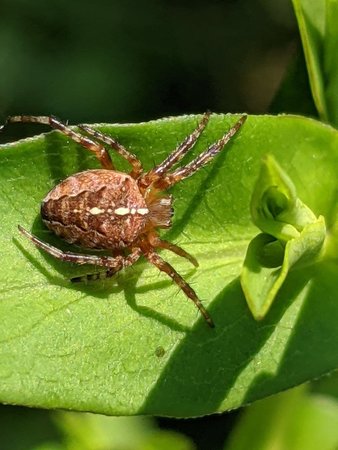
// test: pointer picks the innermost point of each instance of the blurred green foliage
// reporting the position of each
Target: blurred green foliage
(294, 420)
(126, 60)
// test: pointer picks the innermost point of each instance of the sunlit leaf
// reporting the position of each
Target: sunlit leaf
(135, 344)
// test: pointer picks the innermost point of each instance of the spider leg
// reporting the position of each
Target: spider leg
(156, 242)
(93, 276)
(100, 152)
(125, 262)
(114, 263)
(119, 148)
(163, 266)
(201, 160)
(177, 154)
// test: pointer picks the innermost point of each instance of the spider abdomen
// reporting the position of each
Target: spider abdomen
(101, 209)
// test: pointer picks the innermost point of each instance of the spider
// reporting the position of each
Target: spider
(107, 209)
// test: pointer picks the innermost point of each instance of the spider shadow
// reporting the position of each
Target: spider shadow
(125, 281)
(57, 160)
(131, 290)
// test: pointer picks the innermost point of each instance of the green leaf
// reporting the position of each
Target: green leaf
(135, 344)
(331, 60)
(318, 25)
(311, 21)
(291, 234)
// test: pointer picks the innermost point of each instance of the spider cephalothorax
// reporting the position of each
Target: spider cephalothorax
(107, 209)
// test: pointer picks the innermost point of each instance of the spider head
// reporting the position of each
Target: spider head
(160, 211)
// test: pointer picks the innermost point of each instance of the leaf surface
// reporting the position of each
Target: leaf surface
(134, 344)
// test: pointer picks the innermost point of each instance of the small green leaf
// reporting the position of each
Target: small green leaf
(291, 233)
(134, 344)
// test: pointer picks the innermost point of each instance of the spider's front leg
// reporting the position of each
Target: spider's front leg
(201, 160)
(161, 169)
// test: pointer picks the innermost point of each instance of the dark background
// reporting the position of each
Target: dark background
(124, 61)
(134, 60)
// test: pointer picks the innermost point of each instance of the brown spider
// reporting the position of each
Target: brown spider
(107, 209)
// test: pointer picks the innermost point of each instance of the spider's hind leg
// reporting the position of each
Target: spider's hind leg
(119, 148)
(125, 261)
(96, 148)
(114, 263)
(94, 276)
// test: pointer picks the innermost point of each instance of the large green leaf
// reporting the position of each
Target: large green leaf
(135, 344)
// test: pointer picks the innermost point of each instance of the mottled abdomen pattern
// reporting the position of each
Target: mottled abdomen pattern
(96, 209)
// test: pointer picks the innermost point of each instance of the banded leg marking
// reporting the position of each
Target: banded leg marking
(178, 153)
(201, 160)
(77, 258)
(126, 262)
